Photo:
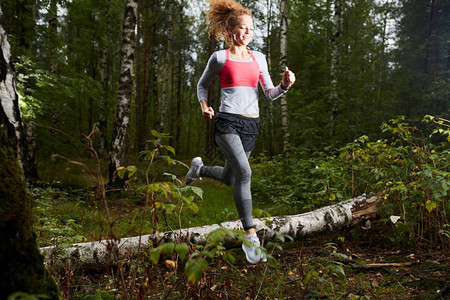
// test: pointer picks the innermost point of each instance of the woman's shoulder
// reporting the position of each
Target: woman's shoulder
(260, 58)
(218, 57)
(221, 55)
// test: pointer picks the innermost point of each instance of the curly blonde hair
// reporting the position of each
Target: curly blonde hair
(223, 14)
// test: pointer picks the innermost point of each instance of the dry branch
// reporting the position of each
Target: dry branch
(381, 265)
(326, 219)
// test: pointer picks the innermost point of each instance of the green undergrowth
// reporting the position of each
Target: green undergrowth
(65, 215)
(406, 168)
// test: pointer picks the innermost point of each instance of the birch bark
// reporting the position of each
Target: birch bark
(118, 146)
(335, 59)
(9, 101)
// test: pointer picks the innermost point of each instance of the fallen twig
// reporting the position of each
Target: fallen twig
(381, 265)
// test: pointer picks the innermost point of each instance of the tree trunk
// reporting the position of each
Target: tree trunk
(10, 102)
(138, 143)
(326, 219)
(153, 70)
(117, 153)
(53, 25)
(141, 125)
(269, 126)
(178, 121)
(167, 69)
(22, 265)
(102, 120)
(335, 59)
(144, 130)
(283, 62)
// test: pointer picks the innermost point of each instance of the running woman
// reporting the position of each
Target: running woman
(237, 123)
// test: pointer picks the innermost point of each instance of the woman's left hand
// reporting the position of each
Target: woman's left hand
(288, 78)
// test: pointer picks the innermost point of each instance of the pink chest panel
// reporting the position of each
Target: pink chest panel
(235, 73)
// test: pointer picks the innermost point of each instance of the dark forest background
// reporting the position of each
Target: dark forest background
(356, 68)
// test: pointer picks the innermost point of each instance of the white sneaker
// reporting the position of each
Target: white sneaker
(193, 173)
(251, 248)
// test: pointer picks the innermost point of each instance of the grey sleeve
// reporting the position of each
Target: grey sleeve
(270, 91)
(213, 67)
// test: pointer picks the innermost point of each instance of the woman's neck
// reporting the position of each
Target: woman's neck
(239, 52)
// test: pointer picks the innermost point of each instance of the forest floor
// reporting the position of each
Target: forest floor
(348, 264)
(369, 268)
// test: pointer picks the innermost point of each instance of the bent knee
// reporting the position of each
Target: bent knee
(245, 174)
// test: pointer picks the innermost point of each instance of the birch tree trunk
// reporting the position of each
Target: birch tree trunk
(118, 146)
(326, 219)
(283, 62)
(10, 101)
(22, 264)
(335, 59)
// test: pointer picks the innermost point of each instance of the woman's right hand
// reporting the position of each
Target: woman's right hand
(207, 111)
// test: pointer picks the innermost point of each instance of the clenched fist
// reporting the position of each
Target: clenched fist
(288, 78)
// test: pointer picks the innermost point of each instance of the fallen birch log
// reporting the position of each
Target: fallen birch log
(326, 219)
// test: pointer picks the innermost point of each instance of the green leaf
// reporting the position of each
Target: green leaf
(430, 205)
(182, 250)
(195, 268)
(229, 257)
(131, 170)
(168, 249)
(280, 237)
(427, 173)
(173, 176)
(170, 149)
(310, 275)
(155, 254)
(121, 172)
(219, 234)
(193, 207)
(197, 191)
(155, 133)
(169, 207)
(336, 269)
(275, 245)
(207, 254)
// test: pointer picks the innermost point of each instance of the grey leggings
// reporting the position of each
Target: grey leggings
(236, 172)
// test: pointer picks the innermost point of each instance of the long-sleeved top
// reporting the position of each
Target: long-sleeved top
(239, 82)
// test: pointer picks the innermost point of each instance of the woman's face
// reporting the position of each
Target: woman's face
(242, 32)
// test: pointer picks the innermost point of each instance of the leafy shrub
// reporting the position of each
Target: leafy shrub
(408, 169)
